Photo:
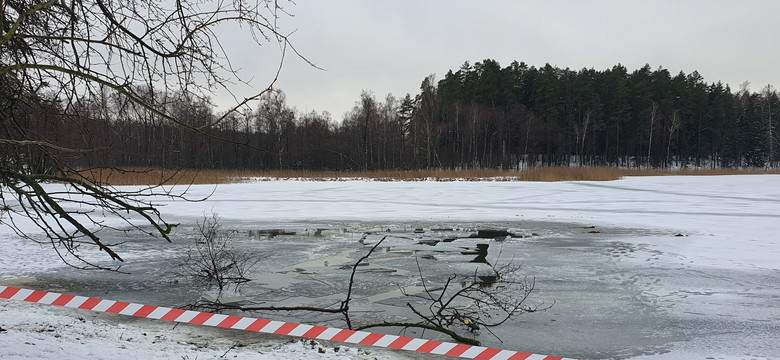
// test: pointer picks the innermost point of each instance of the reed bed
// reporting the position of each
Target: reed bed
(155, 176)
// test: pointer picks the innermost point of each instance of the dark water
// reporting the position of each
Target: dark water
(612, 295)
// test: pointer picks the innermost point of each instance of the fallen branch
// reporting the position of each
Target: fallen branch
(469, 303)
(440, 329)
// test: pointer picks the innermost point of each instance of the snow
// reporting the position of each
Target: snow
(37, 332)
(728, 222)
(742, 210)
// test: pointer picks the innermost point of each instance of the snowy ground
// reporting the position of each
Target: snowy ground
(730, 226)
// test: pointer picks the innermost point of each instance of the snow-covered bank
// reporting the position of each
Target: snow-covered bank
(45, 332)
(727, 222)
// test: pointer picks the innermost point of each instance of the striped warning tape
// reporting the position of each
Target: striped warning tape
(266, 326)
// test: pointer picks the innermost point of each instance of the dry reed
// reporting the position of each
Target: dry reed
(138, 176)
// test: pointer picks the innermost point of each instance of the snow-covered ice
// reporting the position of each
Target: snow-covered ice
(728, 227)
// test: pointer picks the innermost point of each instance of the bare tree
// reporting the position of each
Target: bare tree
(57, 54)
(674, 126)
(581, 132)
(653, 120)
(273, 119)
(213, 258)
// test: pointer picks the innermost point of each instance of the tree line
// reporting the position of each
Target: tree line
(481, 115)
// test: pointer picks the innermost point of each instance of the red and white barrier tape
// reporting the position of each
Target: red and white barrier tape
(267, 326)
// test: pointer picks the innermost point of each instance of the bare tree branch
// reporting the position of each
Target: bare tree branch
(469, 303)
(64, 60)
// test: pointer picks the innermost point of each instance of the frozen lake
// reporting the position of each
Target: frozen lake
(614, 295)
(674, 267)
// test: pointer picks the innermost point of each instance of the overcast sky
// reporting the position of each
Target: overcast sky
(390, 46)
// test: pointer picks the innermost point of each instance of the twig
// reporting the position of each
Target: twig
(345, 304)
(228, 350)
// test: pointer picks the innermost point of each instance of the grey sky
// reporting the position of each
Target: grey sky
(390, 46)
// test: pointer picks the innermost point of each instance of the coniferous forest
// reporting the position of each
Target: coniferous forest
(481, 115)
